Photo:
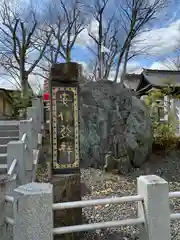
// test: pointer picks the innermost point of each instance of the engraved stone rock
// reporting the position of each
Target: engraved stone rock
(112, 120)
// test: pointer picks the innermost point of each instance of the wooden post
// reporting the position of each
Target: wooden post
(65, 143)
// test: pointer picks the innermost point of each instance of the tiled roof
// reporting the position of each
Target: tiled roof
(162, 77)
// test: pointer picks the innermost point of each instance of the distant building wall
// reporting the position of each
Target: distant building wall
(1, 105)
(6, 108)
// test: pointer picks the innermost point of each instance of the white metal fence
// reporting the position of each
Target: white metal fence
(101, 225)
(33, 210)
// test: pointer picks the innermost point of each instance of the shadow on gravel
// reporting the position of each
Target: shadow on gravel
(44, 155)
(106, 234)
(162, 163)
(85, 190)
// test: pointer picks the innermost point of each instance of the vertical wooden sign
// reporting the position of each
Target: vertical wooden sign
(65, 123)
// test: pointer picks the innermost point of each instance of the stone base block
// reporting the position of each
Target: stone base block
(67, 188)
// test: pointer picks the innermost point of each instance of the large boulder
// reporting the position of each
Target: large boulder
(116, 129)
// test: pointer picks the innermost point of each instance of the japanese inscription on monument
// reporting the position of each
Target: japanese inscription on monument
(65, 127)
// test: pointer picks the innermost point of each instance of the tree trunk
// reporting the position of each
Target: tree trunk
(118, 67)
(24, 84)
(125, 49)
(68, 55)
(125, 65)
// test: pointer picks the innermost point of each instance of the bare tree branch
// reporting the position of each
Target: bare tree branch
(107, 35)
(173, 62)
(136, 14)
(18, 40)
(66, 27)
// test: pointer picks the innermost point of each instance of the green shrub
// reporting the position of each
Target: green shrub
(20, 103)
(164, 135)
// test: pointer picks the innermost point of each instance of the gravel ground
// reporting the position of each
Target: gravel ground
(97, 184)
(101, 185)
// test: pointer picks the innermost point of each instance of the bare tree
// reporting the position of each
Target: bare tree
(98, 13)
(134, 15)
(173, 62)
(117, 29)
(130, 53)
(66, 25)
(20, 51)
(105, 43)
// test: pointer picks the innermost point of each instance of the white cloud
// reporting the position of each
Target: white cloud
(132, 67)
(93, 27)
(168, 64)
(36, 82)
(158, 65)
(156, 42)
(7, 83)
(161, 65)
(159, 41)
(84, 39)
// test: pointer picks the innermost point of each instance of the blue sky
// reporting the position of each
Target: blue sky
(162, 38)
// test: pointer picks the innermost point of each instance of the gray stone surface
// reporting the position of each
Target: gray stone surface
(139, 132)
(116, 129)
(32, 113)
(16, 150)
(7, 184)
(5, 140)
(37, 103)
(11, 123)
(26, 127)
(9, 133)
(33, 215)
(12, 131)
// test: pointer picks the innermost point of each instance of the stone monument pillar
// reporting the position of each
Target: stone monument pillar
(64, 117)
